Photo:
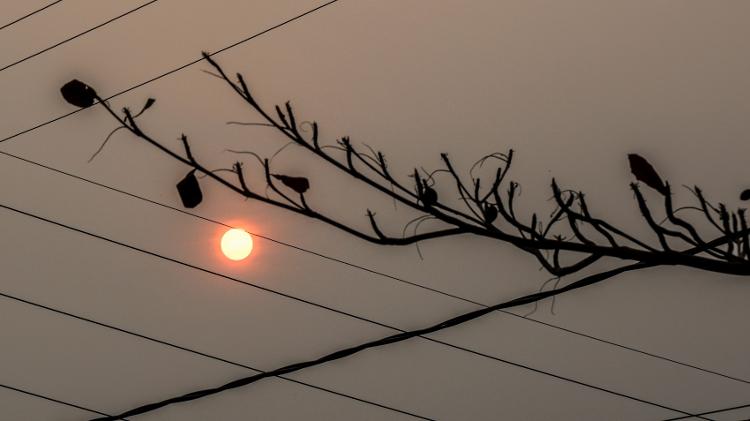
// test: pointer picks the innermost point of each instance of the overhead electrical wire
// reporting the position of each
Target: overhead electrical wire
(195, 352)
(630, 348)
(158, 77)
(175, 70)
(80, 34)
(342, 353)
(376, 272)
(57, 401)
(270, 239)
(626, 347)
(715, 412)
(30, 14)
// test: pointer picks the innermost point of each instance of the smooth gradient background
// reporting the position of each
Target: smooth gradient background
(571, 86)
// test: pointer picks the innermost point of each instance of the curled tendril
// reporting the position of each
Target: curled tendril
(101, 147)
(204, 175)
(260, 160)
(480, 162)
(250, 123)
(541, 288)
(280, 150)
(305, 123)
(429, 175)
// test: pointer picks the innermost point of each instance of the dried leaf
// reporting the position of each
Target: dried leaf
(298, 184)
(146, 106)
(190, 190)
(78, 93)
(644, 172)
(745, 195)
(149, 103)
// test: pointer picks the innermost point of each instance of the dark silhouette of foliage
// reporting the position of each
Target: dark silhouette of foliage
(190, 190)
(643, 171)
(78, 93)
(298, 184)
(566, 243)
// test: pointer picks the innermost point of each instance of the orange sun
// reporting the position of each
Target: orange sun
(236, 244)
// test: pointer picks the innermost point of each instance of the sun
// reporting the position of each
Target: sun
(236, 244)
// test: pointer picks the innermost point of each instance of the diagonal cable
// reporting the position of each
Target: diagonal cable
(57, 401)
(347, 263)
(401, 336)
(343, 353)
(175, 70)
(195, 352)
(78, 35)
(379, 273)
(714, 412)
(30, 14)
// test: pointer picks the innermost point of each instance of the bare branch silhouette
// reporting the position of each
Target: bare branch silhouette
(570, 240)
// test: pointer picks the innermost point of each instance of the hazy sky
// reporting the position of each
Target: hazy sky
(571, 86)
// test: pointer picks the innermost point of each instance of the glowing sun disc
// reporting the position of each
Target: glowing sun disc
(236, 244)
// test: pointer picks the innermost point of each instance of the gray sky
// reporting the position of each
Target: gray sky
(571, 86)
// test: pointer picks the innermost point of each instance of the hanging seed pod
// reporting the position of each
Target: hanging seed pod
(190, 190)
(490, 213)
(78, 93)
(429, 196)
(644, 172)
(149, 102)
(298, 184)
(745, 195)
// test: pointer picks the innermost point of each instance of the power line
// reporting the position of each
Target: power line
(198, 353)
(217, 222)
(379, 273)
(58, 401)
(53, 46)
(403, 335)
(177, 69)
(633, 349)
(717, 411)
(343, 353)
(323, 256)
(30, 14)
